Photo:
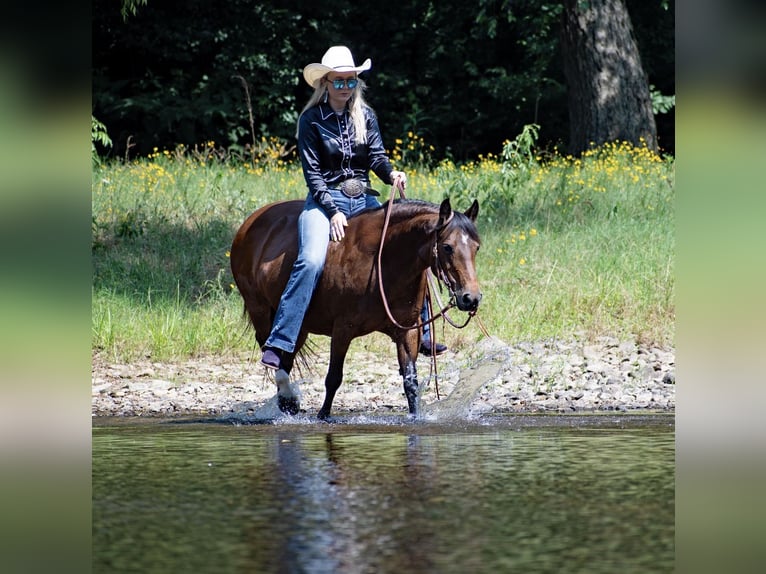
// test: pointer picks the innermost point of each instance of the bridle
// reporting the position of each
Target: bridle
(444, 279)
(436, 264)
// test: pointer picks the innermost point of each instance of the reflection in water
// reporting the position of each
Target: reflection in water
(409, 498)
(354, 506)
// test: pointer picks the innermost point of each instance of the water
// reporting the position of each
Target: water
(524, 493)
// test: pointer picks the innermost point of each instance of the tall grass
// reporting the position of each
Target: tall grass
(572, 247)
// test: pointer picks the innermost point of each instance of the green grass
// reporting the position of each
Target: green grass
(571, 248)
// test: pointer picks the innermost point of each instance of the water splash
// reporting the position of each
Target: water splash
(487, 361)
(269, 411)
(483, 364)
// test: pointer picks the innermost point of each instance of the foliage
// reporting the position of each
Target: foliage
(661, 104)
(518, 154)
(412, 152)
(182, 84)
(462, 75)
(130, 7)
(98, 135)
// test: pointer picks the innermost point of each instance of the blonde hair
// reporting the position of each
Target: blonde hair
(356, 105)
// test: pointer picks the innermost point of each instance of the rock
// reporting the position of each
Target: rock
(592, 352)
(549, 375)
(596, 367)
(97, 389)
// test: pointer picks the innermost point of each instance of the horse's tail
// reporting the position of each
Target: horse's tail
(305, 359)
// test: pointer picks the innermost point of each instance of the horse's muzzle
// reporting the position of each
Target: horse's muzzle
(468, 301)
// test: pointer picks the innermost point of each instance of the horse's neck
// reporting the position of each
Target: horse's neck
(410, 243)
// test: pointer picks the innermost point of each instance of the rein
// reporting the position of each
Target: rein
(391, 318)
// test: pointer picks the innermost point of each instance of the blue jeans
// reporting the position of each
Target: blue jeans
(313, 239)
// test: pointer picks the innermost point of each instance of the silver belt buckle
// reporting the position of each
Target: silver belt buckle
(352, 188)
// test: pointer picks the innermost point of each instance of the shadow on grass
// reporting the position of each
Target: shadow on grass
(158, 260)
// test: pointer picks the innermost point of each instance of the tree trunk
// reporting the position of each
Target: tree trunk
(607, 88)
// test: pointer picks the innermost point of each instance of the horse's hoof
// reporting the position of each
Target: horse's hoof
(323, 415)
(288, 405)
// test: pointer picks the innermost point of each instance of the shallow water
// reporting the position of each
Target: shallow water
(528, 493)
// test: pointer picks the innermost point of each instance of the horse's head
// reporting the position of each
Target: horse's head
(454, 261)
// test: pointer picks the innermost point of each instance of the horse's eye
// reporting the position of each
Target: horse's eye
(447, 249)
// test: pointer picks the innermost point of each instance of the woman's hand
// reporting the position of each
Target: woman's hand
(399, 180)
(337, 224)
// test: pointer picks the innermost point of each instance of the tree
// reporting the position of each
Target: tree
(607, 90)
(465, 76)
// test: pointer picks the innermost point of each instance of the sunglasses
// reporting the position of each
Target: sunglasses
(350, 83)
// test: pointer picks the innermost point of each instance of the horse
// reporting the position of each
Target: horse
(347, 302)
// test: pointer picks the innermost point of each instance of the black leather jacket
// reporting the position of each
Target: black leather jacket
(329, 155)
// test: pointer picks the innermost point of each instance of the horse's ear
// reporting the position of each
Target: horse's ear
(473, 211)
(445, 212)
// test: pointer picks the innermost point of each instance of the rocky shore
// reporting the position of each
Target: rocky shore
(491, 377)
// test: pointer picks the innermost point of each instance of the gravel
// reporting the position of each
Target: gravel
(491, 377)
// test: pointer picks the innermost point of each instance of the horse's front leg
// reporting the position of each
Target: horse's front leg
(407, 353)
(287, 400)
(338, 349)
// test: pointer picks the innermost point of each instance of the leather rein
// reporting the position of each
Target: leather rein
(429, 285)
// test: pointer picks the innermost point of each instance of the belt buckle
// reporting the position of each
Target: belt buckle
(353, 188)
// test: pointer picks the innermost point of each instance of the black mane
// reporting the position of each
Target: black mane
(405, 208)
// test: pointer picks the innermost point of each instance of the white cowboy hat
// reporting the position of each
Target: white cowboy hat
(336, 59)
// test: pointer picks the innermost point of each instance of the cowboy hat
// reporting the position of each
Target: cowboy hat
(336, 59)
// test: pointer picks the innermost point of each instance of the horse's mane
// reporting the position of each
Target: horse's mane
(404, 207)
(408, 208)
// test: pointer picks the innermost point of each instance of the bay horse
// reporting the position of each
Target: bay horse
(347, 301)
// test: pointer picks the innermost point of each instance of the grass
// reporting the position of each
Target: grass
(572, 247)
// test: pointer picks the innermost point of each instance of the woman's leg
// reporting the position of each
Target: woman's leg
(313, 238)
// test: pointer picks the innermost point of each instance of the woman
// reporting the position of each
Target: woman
(339, 143)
